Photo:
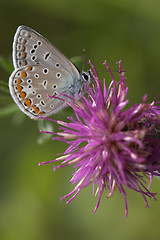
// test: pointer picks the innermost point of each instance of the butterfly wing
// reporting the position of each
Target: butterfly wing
(30, 48)
(31, 85)
(40, 70)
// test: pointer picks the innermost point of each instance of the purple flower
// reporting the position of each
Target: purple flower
(121, 147)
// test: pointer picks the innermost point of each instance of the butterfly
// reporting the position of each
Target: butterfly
(41, 70)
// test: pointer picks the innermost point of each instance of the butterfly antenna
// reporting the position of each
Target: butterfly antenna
(84, 57)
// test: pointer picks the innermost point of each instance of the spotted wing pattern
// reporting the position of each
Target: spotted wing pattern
(40, 70)
(33, 88)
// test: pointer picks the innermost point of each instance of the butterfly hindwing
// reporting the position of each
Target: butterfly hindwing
(32, 88)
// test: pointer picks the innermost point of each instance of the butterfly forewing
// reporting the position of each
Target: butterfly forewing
(29, 47)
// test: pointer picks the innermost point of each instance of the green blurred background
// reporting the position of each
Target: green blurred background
(30, 208)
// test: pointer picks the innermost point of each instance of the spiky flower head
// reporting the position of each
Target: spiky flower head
(121, 147)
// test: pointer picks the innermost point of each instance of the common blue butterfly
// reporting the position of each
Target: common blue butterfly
(42, 70)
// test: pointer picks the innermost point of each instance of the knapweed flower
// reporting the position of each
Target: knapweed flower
(111, 146)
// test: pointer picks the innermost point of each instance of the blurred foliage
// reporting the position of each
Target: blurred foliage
(29, 203)
(6, 65)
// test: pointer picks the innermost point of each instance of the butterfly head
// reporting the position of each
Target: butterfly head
(79, 86)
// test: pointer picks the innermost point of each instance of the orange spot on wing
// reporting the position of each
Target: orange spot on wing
(24, 41)
(24, 63)
(23, 74)
(36, 109)
(23, 48)
(19, 81)
(19, 88)
(29, 68)
(28, 102)
(23, 54)
(41, 113)
(22, 94)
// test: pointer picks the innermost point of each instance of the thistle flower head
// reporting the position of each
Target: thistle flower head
(109, 145)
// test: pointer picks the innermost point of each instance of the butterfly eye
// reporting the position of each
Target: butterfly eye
(86, 76)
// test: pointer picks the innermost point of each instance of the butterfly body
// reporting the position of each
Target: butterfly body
(41, 70)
